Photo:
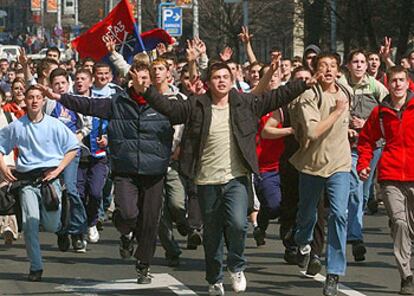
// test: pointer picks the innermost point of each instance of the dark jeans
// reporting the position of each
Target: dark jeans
(91, 180)
(289, 179)
(267, 186)
(138, 203)
(224, 210)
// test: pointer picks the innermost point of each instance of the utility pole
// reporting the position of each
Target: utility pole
(139, 15)
(246, 13)
(196, 28)
(59, 22)
(42, 18)
(333, 25)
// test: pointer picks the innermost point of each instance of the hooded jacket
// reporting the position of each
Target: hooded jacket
(395, 126)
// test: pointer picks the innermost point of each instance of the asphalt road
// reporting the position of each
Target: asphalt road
(101, 271)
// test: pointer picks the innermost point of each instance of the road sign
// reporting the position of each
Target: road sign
(172, 20)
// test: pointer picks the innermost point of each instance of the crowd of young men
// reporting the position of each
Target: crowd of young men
(206, 146)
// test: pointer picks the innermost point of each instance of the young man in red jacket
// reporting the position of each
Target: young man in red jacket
(393, 120)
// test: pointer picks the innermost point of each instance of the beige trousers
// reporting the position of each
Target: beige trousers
(398, 199)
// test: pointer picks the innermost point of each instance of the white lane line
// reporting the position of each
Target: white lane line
(341, 288)
(160, 280)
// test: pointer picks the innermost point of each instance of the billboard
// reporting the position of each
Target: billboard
(35, 5)
(51, 6)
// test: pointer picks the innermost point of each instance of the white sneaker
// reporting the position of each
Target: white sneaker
(238, 281)
(93, 234)
(216, 290)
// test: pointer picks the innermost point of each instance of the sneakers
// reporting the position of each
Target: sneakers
(314, 266)
(79, 244)
(93, 234)
(126, 245)
(216, 290)
(407, 287)
(359, 251)
(63, 242)
(35, 276)
(259, 236)
(238, 281)
(143, 275)
(330, 287)
(194, 239)
(8, 238)
(303, 255)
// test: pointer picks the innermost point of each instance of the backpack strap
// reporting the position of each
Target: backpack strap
(381, 122)
(9, 117)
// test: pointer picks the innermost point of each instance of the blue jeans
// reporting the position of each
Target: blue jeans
(78, 217)
(224, 211)
(369, 184)
(337, 190)
(34, 214)
(267, 186)
(358, 196)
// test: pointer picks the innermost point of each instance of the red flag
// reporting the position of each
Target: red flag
(119, 24)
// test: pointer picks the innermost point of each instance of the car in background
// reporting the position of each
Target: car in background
(42, 54)
(10, 52)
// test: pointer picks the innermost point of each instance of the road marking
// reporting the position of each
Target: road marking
(160, 280)
(341, 288)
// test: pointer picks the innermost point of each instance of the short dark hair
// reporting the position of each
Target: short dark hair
(354, 52)
(32, 87)
(216, 67)
(320, 56)
(44, 64)
(396, 69)
(58, 72)
(87, 59)
(300, 69)
(84, 71)
(98, 65)
(55, 49)
(169, 56)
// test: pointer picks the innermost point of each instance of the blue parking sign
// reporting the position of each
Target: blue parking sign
(172, 20)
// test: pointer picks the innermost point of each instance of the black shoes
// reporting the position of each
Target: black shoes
(173, 261)
(259, 236)
(63, 242)
(143, 275)
(78, 243)
(407, 286)
(35, 276)
(331, 285)
(314, 266)
(126, 245)
(8, 238)
(359, 251)
(290, 256)
(182, 229)
(194, 239)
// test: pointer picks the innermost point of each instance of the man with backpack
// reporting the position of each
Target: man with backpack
(320, 118)
(393, 120)
(366, 94)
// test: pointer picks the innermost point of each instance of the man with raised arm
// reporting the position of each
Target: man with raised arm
(218, 152)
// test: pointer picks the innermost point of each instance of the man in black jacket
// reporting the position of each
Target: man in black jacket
(140, 142)
(218, 152)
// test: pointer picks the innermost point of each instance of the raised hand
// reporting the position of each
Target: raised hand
(196, 87)
(137, 83)
(23, 59)
(245, 36)
(192, 52)
(200, 45)
(226, 54)
(110, 44)
(385, 50)
(275, 63)
(48, 92)
(161, 48)
(314, 79)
